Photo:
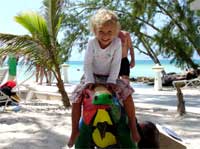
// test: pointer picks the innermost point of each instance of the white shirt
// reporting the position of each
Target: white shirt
(102, 61)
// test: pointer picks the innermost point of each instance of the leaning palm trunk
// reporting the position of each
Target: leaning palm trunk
(61, 87)
(65, 98)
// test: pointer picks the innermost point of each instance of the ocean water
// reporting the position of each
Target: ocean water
(75, 70)
(142, 68)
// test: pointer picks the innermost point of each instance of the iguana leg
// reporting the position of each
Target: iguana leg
(124, 135)
(85, 138)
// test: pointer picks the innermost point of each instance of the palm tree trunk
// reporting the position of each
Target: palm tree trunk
(65, 98)
(61, 87)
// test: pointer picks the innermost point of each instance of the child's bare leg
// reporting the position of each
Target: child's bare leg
(76, 113)
(41, 75)
(37, 73)
(130, 110)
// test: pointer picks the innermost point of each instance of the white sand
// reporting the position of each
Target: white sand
(36, 126)
(160, 107)
(45, 124)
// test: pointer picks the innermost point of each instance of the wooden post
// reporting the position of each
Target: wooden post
(181, 102)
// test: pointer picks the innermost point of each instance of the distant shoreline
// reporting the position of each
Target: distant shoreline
(143, 68)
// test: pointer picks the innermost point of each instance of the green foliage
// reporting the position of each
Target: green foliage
(36, 25)
(157, 27)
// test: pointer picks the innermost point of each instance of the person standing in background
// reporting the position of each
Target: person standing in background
(12, 64)
(126, 46)
(39, 74)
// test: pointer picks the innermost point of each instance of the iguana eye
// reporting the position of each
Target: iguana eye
(109, 96)
(95, 97)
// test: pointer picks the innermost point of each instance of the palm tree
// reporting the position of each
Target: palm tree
(41, 45)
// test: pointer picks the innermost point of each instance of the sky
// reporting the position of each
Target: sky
(10, 8)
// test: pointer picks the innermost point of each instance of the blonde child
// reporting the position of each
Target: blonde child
(102, 65)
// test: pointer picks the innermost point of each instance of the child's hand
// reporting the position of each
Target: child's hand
(73, 138)
(111, 87)
(89, 86)
(132, 64)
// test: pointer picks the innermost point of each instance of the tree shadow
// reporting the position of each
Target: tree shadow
(36, 132)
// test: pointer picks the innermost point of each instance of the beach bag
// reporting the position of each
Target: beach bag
(149, 135)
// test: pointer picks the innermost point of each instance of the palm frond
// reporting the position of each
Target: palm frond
(35, 24)
(23, 44)
(53, 15)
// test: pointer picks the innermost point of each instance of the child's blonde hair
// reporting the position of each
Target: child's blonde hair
(103, 16)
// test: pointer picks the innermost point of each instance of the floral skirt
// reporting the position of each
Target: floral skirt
(122, 90)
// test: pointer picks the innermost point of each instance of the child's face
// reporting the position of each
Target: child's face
(105, 34)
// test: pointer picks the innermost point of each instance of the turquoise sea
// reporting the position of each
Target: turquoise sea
(142, 68)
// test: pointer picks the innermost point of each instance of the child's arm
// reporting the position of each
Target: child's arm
(88, 59)
(116, 63)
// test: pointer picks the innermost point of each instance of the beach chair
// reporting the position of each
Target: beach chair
(186, 83)
(3, 74)
(7, 96)
(5, 100)
(23, 86)
(193, 82)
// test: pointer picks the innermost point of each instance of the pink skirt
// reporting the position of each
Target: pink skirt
(122, 91)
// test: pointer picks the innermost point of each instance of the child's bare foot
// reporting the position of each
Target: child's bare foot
(73, 138)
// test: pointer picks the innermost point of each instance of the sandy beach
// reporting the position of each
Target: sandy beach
(45, 124)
